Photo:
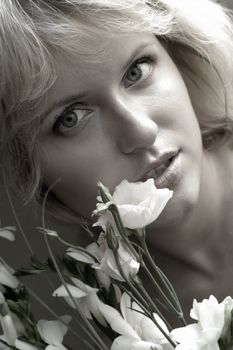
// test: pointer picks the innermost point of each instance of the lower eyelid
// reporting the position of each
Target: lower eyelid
(79, 124)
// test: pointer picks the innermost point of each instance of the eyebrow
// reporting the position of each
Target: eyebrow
(136, 52)
(74, 98)
(62, 102)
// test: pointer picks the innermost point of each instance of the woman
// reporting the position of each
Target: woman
(102, 91)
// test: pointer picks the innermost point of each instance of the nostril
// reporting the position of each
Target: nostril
(137, 135)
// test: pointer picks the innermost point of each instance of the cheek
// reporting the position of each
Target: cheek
(79, 166)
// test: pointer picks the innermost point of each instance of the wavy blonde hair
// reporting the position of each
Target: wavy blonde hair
(198, 35)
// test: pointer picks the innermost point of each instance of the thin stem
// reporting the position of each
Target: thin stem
(154, 306)
(16, 216)
(54, 314)
(163, 332)
(128, 281)
(95, 337)
(143, 301)
(8, 346)
(115, 213)
(29, 246)
(91, 332)
(81, 249)
(166, 283)
(163, 295)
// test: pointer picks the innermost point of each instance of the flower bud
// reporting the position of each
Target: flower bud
(112, 239)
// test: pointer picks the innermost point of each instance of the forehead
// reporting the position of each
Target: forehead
(100, 50)
(103, 57)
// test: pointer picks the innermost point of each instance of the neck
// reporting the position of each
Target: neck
(196, 255)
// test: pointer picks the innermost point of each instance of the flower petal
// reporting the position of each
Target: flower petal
(6, 277)
(209, 313)
(117, 323)
(122, 343)
(140, 203)
(75, 292)
(8, 329)
(128, 343)
(131, 316)
(21, 345)
(52, 332)
(56, 347)
(2, 298)
(7, 233)
(80, 256)
(186, 335)
(146, 345)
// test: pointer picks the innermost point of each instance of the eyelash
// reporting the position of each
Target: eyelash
(151, 59)
(68, 109)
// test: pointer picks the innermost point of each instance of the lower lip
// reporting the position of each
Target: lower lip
(171, 175)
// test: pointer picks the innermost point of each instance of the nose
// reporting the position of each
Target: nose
(134, 129)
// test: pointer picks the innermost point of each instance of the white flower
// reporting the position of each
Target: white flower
(103, 279)
(2, 345)
(85, 297)
(6, 232)
(139, 203)
(106, 259)
(21, 345)
(109, 266)
(13, 328)
(9, 329)
(136, 330)
(226, 331)
(52, 332)
(2, 298)
(204, 334)
(80, 255)
(6, 276)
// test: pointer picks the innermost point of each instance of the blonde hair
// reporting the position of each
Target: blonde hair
(198, 35)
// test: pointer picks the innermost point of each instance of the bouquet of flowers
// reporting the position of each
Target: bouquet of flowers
(101, 282)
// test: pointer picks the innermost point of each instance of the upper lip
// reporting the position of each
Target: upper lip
(163, 157)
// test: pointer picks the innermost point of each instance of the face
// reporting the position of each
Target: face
(127, 116)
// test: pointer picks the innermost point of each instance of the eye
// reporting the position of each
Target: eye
(140, 70)
(72, 118)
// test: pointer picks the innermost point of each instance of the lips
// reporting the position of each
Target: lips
(158, 171)
(163, 170)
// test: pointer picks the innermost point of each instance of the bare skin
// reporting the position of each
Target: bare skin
(134, 110)
(198, 257)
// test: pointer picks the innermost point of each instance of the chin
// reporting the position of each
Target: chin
(179, 210)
